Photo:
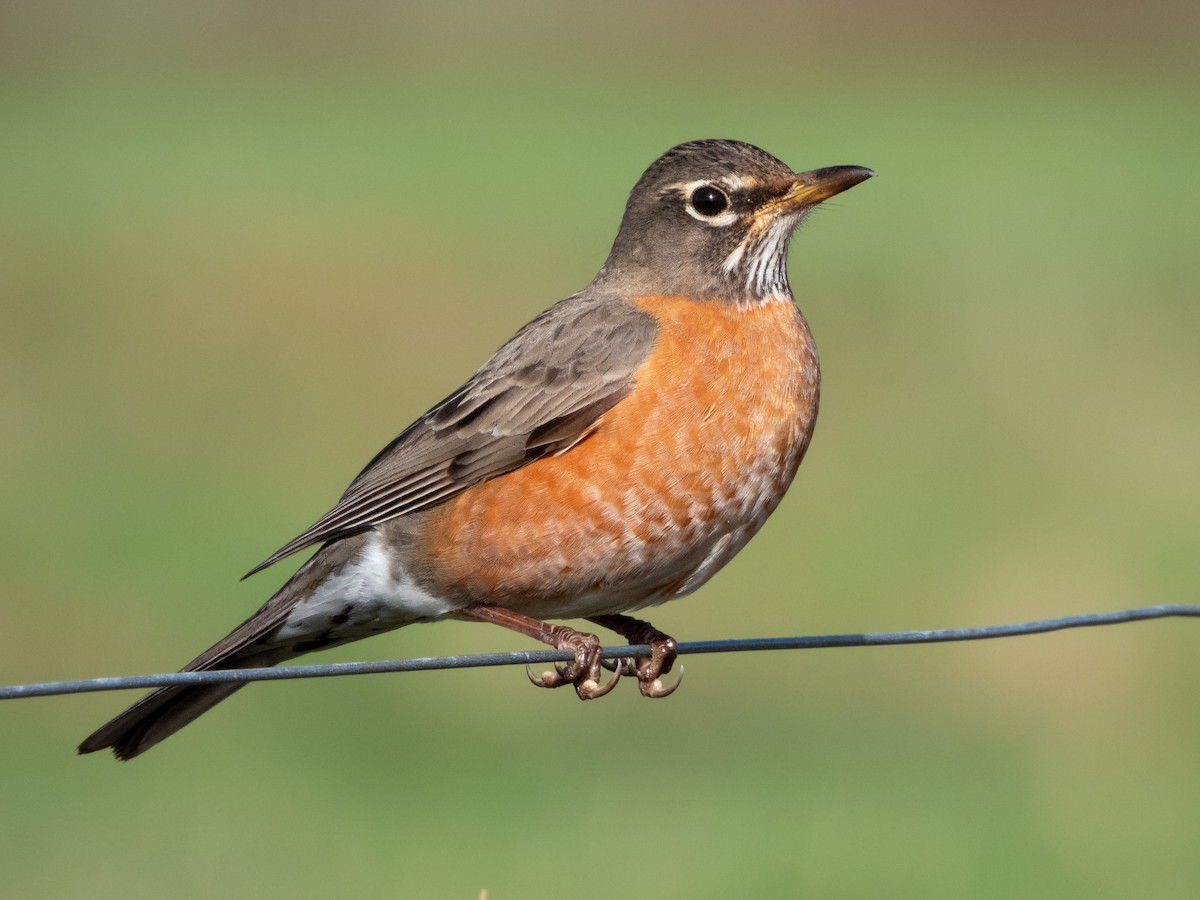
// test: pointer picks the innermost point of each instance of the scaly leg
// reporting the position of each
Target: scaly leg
(583, 673)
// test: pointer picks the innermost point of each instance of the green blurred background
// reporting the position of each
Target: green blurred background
(243, 244)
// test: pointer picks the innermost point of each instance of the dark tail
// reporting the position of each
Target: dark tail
(163, 712)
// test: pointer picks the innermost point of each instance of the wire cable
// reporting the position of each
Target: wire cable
(532, 657)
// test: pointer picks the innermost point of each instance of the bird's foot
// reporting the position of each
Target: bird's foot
(584, 672)
(647, 669)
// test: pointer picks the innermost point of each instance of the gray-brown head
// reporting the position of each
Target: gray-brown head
(712, 220)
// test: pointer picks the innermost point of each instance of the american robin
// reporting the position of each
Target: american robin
(612, 455)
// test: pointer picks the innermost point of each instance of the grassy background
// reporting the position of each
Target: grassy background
(242, 245)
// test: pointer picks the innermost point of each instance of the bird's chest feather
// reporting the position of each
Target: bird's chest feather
(724, 406)
(670, 484)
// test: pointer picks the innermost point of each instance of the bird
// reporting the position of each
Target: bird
(612, 455)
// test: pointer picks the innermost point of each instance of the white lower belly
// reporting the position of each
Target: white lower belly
(364, 597)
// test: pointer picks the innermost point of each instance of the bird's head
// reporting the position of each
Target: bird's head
(713, 219)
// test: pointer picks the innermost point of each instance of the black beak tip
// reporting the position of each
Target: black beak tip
(849, 175)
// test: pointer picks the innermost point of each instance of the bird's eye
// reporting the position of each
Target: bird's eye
(709, 201)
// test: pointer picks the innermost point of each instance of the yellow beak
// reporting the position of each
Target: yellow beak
(820, 184)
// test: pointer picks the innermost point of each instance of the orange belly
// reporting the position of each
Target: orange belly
(675, 479)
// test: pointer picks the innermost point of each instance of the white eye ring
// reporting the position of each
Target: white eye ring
(719, 218)
(709, 201)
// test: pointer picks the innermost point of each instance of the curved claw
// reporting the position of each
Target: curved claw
(588, 689)
(551, 679)
(656, 688)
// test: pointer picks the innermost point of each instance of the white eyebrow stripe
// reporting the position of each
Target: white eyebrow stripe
(738, 182)
(728, 182)
(684, 188)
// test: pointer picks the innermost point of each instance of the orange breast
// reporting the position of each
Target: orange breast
(671, 484)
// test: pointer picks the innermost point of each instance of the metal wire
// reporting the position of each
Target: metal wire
(532, 657)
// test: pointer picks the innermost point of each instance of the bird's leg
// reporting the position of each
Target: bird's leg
(648, 669)
(584, 672)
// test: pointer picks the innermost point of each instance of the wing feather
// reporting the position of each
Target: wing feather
(540, 394)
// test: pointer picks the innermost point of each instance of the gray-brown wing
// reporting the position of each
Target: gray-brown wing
(539, 394)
